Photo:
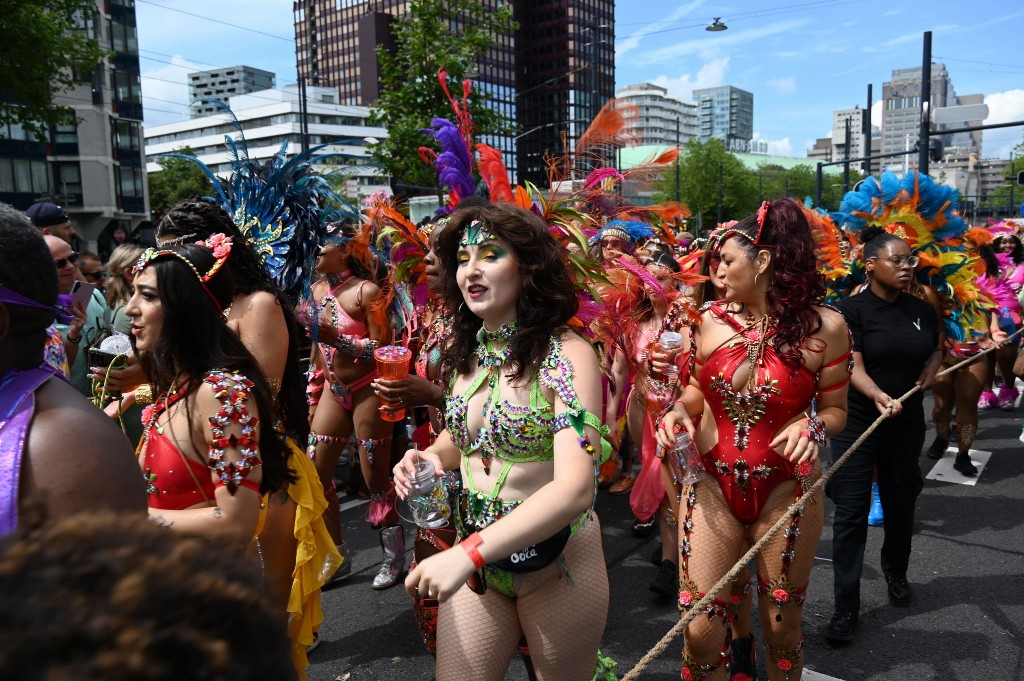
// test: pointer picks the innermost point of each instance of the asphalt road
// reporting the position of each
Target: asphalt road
(966, 621)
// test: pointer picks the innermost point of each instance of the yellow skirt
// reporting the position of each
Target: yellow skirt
(316, 557)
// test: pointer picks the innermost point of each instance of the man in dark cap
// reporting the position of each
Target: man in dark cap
(49, 218)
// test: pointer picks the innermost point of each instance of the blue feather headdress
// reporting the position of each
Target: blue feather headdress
(282, 206)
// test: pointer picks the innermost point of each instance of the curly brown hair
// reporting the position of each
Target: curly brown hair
(116, 598)
(546, 303)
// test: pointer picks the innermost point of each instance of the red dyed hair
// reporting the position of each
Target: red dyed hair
(797, 286)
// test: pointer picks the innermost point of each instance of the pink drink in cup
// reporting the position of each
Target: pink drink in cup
(392, 363)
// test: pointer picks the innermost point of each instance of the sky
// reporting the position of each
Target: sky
(802, 59)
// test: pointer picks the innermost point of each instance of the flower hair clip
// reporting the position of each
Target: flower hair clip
(220, 244)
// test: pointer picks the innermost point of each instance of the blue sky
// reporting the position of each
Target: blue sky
(802, 59)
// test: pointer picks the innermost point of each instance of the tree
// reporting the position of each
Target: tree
(699, 167)
(433, 34)
(1006, 199)
(46, 51)
(177, 179)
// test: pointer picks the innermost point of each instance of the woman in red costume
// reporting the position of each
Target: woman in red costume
(347, 333)
(758, 359)
(209, 455)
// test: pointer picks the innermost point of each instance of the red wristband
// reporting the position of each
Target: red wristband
(469, 545)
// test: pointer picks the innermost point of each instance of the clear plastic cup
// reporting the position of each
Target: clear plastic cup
(392, 363)
(428, 498)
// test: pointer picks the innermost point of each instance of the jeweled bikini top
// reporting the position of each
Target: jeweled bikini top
(519, 433)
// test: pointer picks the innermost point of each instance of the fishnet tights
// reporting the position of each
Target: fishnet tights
(717, 541)
(562, 618)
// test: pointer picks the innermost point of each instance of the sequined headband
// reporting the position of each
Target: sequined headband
(219, 244)
(762, 214)
(476, 233)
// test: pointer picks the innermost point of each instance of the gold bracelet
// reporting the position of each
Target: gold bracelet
(144, 394)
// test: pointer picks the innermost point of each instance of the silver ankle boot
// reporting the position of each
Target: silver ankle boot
(392, 541)
(344, 570)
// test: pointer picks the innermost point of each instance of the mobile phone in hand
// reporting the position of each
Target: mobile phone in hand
(81, 292)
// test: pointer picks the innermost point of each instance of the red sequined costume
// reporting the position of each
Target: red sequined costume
(176, 481)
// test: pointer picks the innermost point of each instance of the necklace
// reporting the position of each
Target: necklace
(150, 415)
(491, 360)
(339, 278)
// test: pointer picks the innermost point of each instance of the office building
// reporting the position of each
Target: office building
(550, 77)
(656, 118)
(93, 167)
(268, 119)
(221, 84)
(901, 111)
(725, 113)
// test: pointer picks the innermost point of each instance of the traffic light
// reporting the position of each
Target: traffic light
(935, 149)
(1020, 178)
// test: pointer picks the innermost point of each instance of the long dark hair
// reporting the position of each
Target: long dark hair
(797, 287)
(546, 302)
(196, 219)
(195, 340)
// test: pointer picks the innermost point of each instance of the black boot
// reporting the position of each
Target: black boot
(666, 583)
(963, 465)
(938, 448)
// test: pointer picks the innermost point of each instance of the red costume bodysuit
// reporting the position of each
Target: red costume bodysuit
(746, 468)
(175, 481)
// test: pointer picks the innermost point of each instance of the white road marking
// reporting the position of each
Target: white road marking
(943, 469)
(811, 675)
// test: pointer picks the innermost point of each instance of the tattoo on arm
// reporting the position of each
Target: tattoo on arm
(217, 513)
(162, 522)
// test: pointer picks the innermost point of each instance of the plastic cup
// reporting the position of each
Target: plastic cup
(684, 459)
(392, 363)
(428, 498)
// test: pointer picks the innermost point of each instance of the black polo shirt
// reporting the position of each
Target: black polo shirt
(896, 339)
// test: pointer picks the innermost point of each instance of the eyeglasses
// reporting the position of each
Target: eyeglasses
(63, 262)
(901, 260)
(98, 275)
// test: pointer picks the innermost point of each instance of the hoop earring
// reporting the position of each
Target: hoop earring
(756, 275)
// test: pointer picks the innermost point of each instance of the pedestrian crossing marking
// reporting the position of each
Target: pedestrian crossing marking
(811, 675)
(943, 470)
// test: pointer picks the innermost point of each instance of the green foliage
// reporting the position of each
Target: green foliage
(434, 34)
(699, 167)
(45, 47)
(178, 179)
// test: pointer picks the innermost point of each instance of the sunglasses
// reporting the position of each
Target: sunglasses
(63, 262)
(98, 275)
(901, 260)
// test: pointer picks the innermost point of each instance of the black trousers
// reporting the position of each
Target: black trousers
(894, 449)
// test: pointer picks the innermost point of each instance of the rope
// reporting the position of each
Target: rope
(798, 505)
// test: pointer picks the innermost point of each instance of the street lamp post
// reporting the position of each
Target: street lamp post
(721, 192)
(678, 196)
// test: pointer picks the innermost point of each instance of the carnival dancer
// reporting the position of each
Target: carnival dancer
(1005, 289)
(759, 442)
(207, 455)
(619, 239)
(962, 388)
(40, 412)
(522, 413)
(298, 553)
(897, 345)
(348, 329)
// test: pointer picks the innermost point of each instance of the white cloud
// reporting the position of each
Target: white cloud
(784, 86)
(631, 42)
(717, 42)
(711, 74)
(913, 37)
(782, 147)
(876, 113)
(165, 90)
(1003, 107)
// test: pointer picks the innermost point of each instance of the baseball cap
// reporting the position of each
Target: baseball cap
(46, 215)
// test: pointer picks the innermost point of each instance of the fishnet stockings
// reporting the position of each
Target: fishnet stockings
(562, 617)
(710, 549)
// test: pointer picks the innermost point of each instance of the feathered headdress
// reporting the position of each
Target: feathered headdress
(919, 210)
(281, 205)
